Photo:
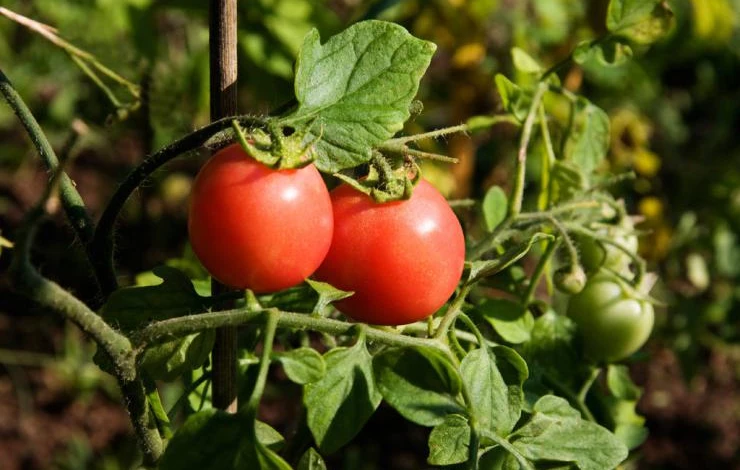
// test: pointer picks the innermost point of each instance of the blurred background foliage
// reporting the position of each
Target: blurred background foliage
(675, 122)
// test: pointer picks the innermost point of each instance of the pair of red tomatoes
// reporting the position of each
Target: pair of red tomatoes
(266, 230)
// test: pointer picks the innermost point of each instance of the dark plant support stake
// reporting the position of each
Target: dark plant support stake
(222, 40)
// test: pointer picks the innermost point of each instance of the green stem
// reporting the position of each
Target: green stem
(523, 462)
(548, 160)
(515, 202)
(117, 347)
(405, 150)
(571, 396)
(428, 135)
(539, 271)
(473, 328)
(102, 243)
(453, 310)
(252, 405)
(182, 326)
(73, 205)
(588, 383)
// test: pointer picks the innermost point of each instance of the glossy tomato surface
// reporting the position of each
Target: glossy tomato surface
(613, 321)
(258, 228)
(402, 259)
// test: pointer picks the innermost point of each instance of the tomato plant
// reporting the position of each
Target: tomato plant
(401, 259)
(257, 228)
(495, 372)
(614, 321)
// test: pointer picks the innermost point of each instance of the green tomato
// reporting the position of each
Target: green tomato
(595, 254)
(613, 321)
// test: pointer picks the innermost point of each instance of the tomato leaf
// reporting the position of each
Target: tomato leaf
(611, 52)
(133, 307)
(640, 21)
(477, 270)
(552, 347)
(556, 432)
(341, 402)
(420, 383)
(327, 294)
(588, 139)
(524, 62)
(214, 439)
(496, 402)
(449, 441)
(498, 458)
(494, 207)
(302, 365)
(168, 361)
(515, 99)
(358, 86)
(511, 320)
(311, 460)
(620, 383)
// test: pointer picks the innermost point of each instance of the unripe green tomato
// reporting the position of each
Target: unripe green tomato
(613, 321)
(595, 254)
(570, 279)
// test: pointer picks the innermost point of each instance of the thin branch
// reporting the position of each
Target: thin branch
(166, 330)
(452, 311)
(73, 205)
(116, 346)
(102, 243)
(515, 201)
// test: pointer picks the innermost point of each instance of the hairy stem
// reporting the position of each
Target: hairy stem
(182, 326)
(515, 201)
(73, 205)
(117, 347)
(452, 311)
(254, 399)
(539, 271)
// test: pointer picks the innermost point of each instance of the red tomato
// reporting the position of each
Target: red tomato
(402, 259)
(258, 228)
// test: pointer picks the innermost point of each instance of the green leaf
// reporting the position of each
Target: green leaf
(133, 307)
(553, 346)
(588, 139)
(311, 460)
(494, 207)
(621, 406)
(449, 441)
(620, 383)
(327, 295)
(341, 402)
(498, 458)
(568, 180)
(170, 360)
(524, 62)
(496, 403)
(268, 436)
(611, 52)
(214, 440)
(557, 433)
(640, 21)
(420, 383)
(358, 86)
(514, 99)
(302, 365)
(511, 320)
(479, 269)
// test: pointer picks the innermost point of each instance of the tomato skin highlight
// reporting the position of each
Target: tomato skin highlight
(257, 228)
(402, 259)
(614, 324)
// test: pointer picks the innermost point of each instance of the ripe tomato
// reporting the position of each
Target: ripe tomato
(613, 322)
(402, 259)
(258, 228)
